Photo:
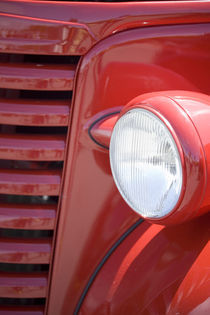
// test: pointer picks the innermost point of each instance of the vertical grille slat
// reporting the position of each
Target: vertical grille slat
(27, 216)
(32, 147)
(37, 77)
(25, 251)
(30, 112)
(30, 182)
(35, 102)
(23, 285)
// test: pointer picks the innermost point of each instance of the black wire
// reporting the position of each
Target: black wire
(94, 123)
(100, 265)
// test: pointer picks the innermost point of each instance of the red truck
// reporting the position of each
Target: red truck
(104, 157)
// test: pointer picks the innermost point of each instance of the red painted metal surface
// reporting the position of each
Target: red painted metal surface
(21, 310)
(93, 213)
(37, 77)
(32, 147)
(43, 35)
(150, 267)
(73, 28)
(27, 182)
(101, 131)
(25, 251)
(27, 217)
(194, 287)
(34, 113)
(17, 285)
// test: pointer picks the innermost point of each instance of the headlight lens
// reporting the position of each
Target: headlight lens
(145, 163)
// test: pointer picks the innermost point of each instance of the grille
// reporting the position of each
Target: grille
(35, 101)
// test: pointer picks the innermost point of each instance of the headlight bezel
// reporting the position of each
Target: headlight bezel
(180, 154)
(189, 146)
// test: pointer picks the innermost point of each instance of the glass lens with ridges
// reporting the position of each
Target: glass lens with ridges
(145, 163)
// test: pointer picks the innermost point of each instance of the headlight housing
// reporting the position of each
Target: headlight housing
(159, 155)
(146, 163)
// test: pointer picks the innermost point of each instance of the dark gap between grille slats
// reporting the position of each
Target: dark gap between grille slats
(10, 129)
(22, 199)
(12, 233)
(30, 165)
(22, 302)
(39, 59)
(50, 95)
(35, 95)
(112, 1)
(53, 59)
(41, 130)
(22, 268)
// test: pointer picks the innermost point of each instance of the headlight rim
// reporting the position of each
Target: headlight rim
(195, 167)
(157, 113)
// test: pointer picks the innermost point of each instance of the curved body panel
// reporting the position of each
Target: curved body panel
(156, 270)
(93, 215)
(104, 55)
(73, 28)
